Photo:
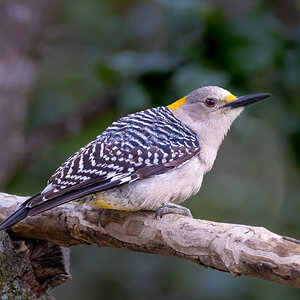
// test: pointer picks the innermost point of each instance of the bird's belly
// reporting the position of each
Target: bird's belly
(149, 194)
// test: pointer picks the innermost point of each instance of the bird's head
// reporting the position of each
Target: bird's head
(212, 109)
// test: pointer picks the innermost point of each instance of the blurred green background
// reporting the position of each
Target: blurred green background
(150, 53)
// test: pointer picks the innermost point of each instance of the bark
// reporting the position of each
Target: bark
(238, 249)
(24, 28)
(29, 268)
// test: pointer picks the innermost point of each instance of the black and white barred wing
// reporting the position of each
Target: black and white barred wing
(135, 147)
(148, 162)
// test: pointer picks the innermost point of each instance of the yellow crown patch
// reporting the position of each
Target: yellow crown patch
(177, 103)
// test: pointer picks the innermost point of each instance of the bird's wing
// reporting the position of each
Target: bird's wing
(128, 167)
(135, 147)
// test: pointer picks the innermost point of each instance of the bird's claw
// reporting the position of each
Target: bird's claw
(170, 208)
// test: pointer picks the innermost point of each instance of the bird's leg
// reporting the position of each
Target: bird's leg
(171, 208)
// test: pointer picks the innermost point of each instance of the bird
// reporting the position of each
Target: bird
(151, 160)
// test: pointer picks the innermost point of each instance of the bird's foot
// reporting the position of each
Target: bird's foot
(171, 208)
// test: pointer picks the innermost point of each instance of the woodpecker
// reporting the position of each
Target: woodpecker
(150, 160)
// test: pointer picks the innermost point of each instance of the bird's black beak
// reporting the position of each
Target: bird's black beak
(246, 100)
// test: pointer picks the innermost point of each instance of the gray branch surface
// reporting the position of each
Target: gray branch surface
(238, 249)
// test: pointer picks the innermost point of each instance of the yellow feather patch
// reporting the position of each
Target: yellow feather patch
(177, 104)
(109, 203)
(230, 98)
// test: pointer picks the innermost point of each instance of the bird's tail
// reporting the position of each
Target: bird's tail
(38, 204)
(16, 217)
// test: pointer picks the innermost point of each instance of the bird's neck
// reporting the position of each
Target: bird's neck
(210, 135)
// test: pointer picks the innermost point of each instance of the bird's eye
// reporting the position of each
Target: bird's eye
(210, 102)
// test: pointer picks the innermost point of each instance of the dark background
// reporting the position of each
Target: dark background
(104, 59)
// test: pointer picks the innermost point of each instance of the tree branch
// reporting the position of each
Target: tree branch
(238, 249)
(29, 268)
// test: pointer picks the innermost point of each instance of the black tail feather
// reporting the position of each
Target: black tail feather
(16, 217)
(37, 204)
